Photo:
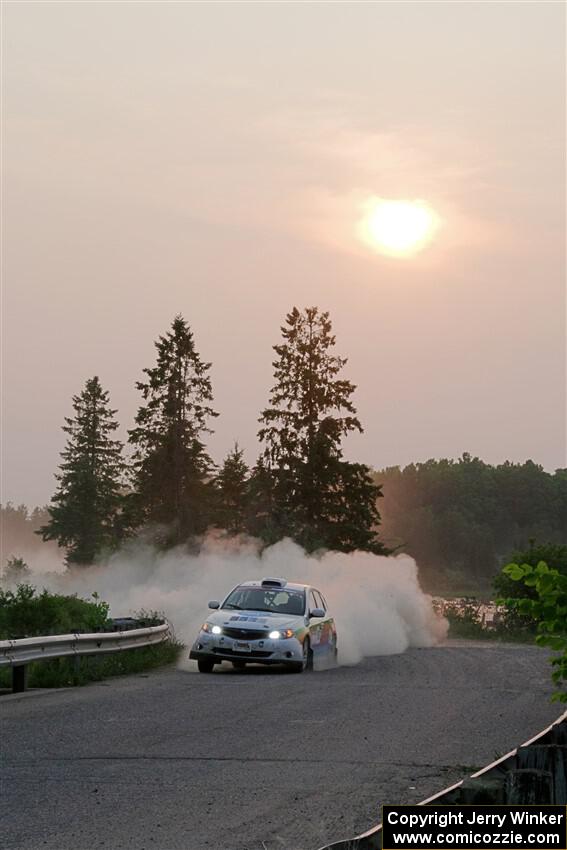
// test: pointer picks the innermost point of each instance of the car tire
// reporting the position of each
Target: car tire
(307, 662)
(205, 665)
(239, 665)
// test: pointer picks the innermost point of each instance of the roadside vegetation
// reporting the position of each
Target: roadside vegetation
(509, 616)
(548, 609)
(473, 619)
(461, 519)
(25, 612)
(64, 672)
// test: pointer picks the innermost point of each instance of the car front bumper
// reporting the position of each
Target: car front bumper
(219, 648)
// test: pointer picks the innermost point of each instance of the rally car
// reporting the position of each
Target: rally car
(271, 621)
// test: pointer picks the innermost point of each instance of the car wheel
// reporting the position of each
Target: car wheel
(307, 661)
(239, 665)
(205, 665)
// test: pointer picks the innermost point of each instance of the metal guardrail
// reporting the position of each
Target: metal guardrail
(552, 741)
(18, 653)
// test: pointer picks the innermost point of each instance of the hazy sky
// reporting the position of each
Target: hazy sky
(213, 159)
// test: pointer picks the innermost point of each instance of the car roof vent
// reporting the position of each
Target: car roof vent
(274, 582)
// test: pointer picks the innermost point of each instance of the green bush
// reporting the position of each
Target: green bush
(26, 613)
(466, 620)
(549, 610)
(553, 554)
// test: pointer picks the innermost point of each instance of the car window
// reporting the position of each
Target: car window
(312, 600)
(275, 601)
(320, 600)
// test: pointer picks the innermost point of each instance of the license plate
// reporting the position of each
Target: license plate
(241, 646)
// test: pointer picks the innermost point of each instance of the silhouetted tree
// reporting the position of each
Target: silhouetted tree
(84, 512)
(172, 470)
(319, 499)
(231, 485)
(261, 518)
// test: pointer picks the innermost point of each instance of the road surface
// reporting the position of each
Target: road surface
(258, 760)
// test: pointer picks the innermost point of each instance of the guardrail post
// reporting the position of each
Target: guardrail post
(19, 678)
(76, 666)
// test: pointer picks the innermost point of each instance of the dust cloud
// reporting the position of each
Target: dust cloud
(377, 603)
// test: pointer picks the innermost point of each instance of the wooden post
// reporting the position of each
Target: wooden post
(19, 679)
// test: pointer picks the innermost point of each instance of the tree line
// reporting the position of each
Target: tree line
(461, 519)
(464, 519)
(168, 487)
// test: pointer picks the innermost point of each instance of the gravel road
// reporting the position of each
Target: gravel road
(258, 760)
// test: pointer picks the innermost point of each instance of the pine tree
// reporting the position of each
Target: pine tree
(172, 470)
(261, 520)
(84, 512)
(319, 499)
(231, 485)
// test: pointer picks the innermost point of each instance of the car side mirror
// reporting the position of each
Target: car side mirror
(316, 612)
(214, 604)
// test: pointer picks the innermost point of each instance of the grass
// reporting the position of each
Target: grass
(66, 672)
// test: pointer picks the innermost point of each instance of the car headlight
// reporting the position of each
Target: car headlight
(279, 634)
(215, 630)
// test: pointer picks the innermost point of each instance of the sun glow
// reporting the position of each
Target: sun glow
(397, 228)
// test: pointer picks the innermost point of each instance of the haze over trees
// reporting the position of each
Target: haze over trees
(19, 526)
(462, 519)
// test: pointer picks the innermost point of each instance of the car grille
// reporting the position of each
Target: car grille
(245, 634)
(253, 654)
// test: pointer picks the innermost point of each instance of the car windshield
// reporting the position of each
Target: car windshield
(273, 600)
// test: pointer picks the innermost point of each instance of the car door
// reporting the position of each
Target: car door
(319, 627)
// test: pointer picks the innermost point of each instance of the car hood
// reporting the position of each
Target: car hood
(254, 620)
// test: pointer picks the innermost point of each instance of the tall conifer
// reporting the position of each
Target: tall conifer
(320, 500)
(172, 470)
(231, 486)
(84, 514)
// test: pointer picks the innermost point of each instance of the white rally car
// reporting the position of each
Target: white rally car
(272, 621)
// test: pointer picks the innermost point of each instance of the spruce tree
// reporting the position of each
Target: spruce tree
(172, 470)
(319, 499)
(231, 485)
(261, 520)
(84, 512)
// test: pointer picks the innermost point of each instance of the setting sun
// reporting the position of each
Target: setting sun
(397, 228)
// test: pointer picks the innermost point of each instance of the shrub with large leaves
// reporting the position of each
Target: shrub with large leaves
(549, 609)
